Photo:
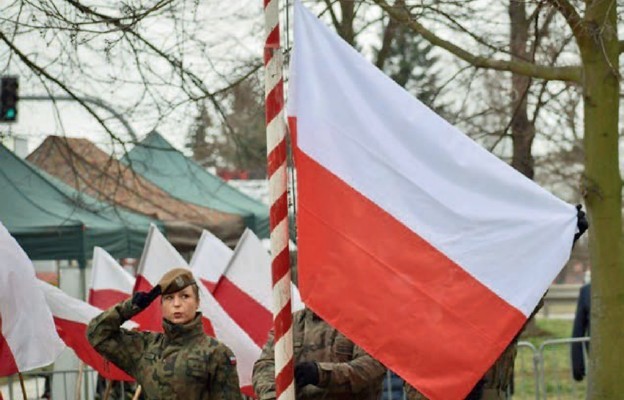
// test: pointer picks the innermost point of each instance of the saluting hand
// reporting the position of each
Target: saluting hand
(144, 299)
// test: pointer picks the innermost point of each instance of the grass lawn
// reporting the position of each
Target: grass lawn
(557, 370)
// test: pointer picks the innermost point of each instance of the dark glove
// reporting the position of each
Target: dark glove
(144, 299)
(306, 373)
(581, 222)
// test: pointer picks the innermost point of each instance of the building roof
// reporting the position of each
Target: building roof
(82, 165)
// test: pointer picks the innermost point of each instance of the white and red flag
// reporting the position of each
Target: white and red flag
(110, 283)
(28, 339)
(414, 241)
(230, 333)
(245, 290)
(210, 259)
(159, 256)
(71, 317)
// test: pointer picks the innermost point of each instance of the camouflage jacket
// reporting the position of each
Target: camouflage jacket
(499, 378)
(181, 363)
(411, 393)
(345, 370)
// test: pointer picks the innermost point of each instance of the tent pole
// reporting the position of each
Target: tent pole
(82, 265)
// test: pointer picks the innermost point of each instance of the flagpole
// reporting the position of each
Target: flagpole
(278, 195)
(107, 391)
(21, 379)
(137, 393)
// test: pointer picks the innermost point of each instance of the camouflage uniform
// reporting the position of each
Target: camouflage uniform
(345, 370)
(498, 380)
(182, 363)
(411, 393)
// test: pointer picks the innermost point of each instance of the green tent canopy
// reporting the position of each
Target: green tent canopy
(159, 162)
(52, 221)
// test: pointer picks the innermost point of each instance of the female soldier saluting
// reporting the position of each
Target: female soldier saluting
(182, 362)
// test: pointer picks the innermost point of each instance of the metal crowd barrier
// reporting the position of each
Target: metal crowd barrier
(550, 371)
(555, 372)
(63, 385)
(526, 372)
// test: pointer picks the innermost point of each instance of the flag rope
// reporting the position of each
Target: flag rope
(278, 196)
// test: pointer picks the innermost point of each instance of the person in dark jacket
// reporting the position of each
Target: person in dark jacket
(580, 329)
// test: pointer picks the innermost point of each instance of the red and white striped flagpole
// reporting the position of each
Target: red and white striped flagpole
(276, 155)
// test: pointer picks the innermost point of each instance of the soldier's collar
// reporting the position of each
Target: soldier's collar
(192, 328)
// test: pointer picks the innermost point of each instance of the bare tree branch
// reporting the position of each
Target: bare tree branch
(570, 74)
(42, 72)
(197, 81)
(334, 18)
(570, 14)
(387, 38)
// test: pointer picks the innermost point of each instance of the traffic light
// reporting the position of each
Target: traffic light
(8, 99)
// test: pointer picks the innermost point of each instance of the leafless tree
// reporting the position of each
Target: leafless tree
(152, 60)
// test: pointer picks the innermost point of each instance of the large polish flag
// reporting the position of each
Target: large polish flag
(159, 256)
(28, 339)
(110, 283)
(245, 290)
(71, 317)
(414, 241)
(210, 259)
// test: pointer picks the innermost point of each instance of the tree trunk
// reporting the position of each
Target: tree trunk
(346, 29)
(603, 187)
(522, 130)
(387, 38)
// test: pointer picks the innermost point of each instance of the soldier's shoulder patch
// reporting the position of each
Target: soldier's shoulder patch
(232, 360)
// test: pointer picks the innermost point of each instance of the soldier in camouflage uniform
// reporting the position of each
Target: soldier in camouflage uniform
(327, 364)
(182, 362)
(498, 380)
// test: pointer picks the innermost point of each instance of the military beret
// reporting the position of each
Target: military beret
(176, 280)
